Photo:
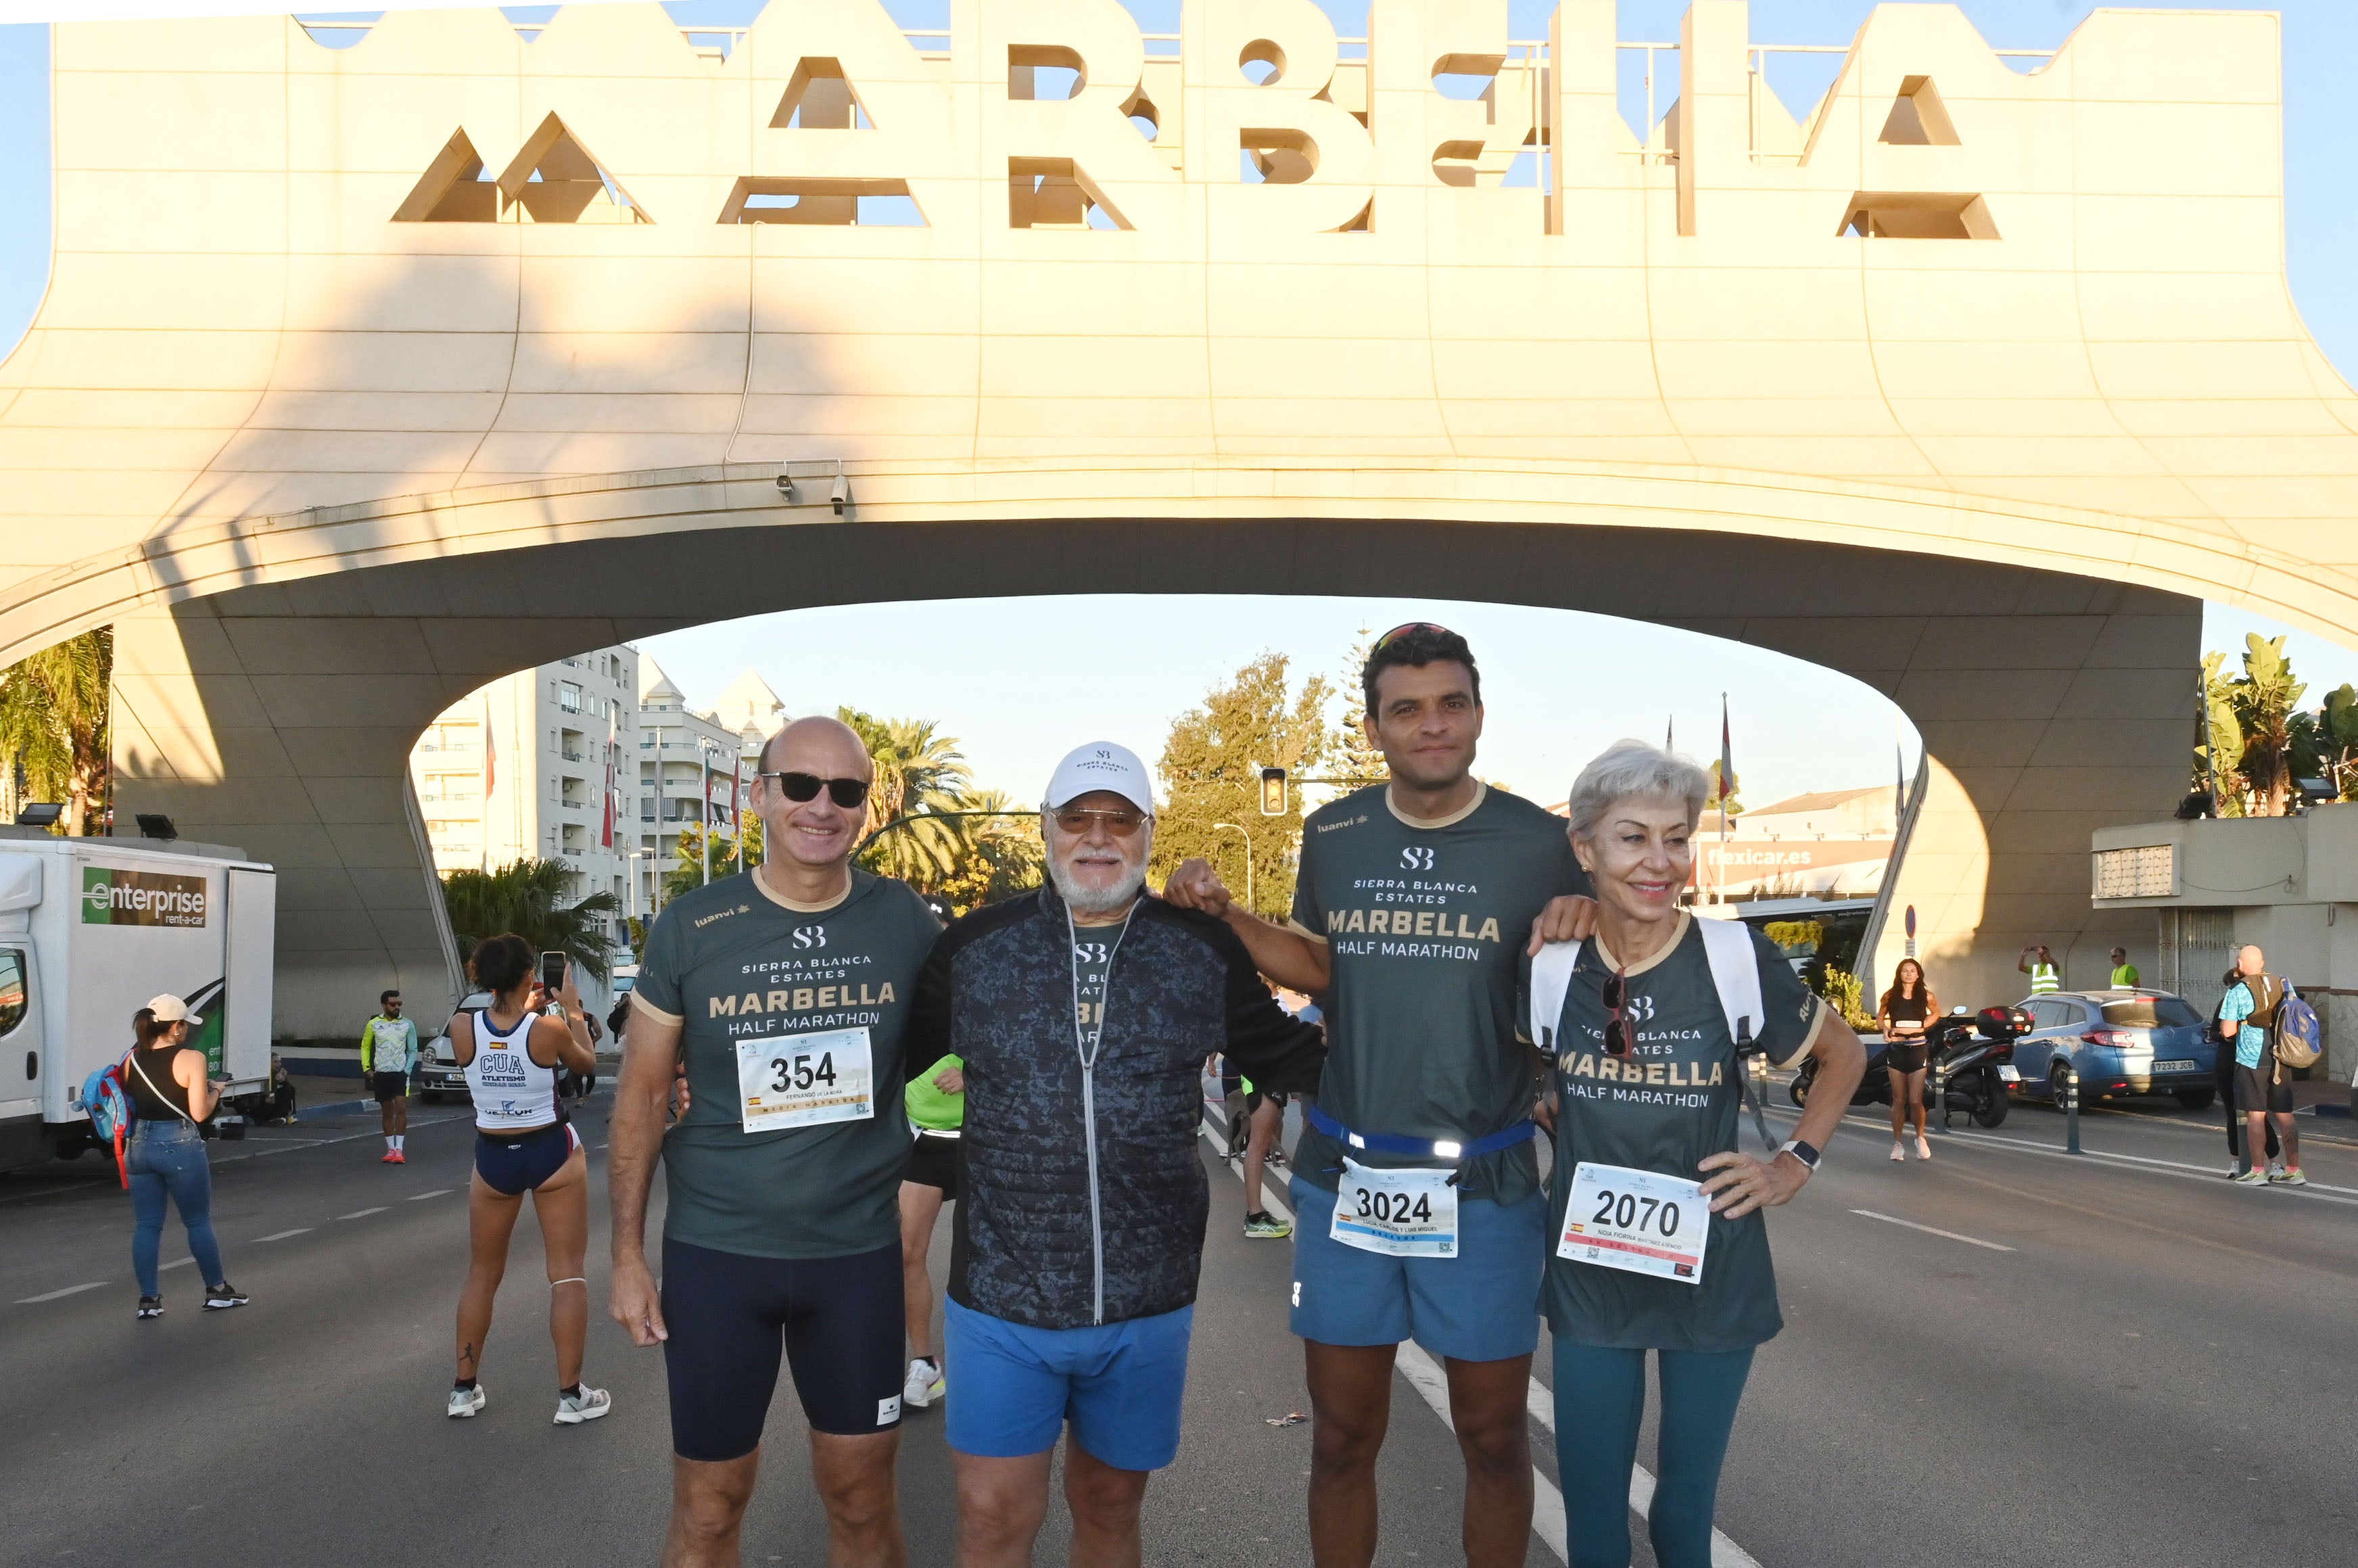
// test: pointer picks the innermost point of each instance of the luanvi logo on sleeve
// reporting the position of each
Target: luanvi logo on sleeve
(112, 897)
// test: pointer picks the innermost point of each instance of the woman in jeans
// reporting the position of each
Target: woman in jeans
(1664, 1246)
(171, 1094)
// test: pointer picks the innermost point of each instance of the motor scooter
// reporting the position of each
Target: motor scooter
(1977, 1055)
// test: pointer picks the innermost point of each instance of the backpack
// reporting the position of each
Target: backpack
(2296, 1034)
(1734, 974)
(111, 1110)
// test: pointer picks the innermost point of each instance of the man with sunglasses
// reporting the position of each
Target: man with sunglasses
(1083, 1012)
(1415, 1184)
(786, 992)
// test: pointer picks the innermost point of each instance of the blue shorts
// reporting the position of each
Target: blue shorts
(512, 1165)
(1481, 1305)
(1119, 1384)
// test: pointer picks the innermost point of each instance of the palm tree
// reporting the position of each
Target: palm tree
(687, 867)
(53, 723)
(525, 897)
(919, 770)
(999, 856)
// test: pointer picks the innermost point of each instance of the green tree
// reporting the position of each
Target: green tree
(528, 897)
(2334, 737)
(687, 872)
(1209, 775)
(1354, 757)
(919, 772)
(999, 856)
(53, 711)
(2218, 765)
(2265, 701)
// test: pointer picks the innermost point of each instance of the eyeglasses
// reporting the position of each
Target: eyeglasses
(798, 787)
(1403, 629)
(1617, 1038)
(1121, 824)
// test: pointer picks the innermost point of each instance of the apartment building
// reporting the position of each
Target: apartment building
(694, 767)
(536, 765)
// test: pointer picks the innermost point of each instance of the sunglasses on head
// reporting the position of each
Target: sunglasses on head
(799, 787)
(1617, 1036)
(1403, 629)
(1121, 824)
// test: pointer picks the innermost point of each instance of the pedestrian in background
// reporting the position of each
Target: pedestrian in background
(2247, 1015)
(171, 1094)
(1906, 1011)
(2039, 965)
(2125, 974)
(388, 1051)
(2223, 1073)
(935, 1103)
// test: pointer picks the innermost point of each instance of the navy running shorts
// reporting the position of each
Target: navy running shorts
(838, 1320)
(511, 1165)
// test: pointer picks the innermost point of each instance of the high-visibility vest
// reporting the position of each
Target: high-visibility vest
(2043, 979)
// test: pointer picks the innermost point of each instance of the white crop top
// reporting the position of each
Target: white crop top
(513, 1092)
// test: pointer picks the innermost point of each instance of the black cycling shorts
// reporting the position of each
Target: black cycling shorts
(840, 1321)
(512, 1163)
(386, 1087)
(933, 1162)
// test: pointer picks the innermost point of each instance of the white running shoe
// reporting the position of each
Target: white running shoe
(465, 1402)
(591, 1403)
(1899, 1149)
(1923, 1149)
(924, 1385)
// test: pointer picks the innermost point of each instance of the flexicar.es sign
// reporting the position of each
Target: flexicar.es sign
(142, 898)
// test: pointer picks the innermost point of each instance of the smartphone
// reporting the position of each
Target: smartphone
(552, 972)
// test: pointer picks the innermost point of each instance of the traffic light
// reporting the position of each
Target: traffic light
(1272, 791)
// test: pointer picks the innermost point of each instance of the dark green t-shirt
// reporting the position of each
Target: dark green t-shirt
(1674, 1099)
(1426, 923)
(734, 963)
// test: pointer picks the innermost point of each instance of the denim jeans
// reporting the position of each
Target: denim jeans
(169, 1157)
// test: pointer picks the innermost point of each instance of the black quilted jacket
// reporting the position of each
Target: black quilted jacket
(1050, 1232)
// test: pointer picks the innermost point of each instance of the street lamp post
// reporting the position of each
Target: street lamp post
(1249, 865)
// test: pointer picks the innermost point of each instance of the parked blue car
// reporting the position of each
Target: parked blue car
(2122, 1041)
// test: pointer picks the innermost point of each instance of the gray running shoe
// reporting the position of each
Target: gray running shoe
(1267, 1227)
(465, 1402)
(591, 1403)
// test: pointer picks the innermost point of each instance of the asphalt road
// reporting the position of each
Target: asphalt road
(2011, 1355)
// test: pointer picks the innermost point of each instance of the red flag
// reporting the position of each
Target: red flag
(607, 839)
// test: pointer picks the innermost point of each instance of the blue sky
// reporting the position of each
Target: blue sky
(1558, 684)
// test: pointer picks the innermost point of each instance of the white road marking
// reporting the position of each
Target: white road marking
(283, 1234)
(1547, 1502)
(177, 1263)
(361, 1213)
(2318, 1191)
(436, 1192)
(68, 1291)
(1929, 1230)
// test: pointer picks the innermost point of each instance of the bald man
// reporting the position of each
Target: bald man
(785, 991)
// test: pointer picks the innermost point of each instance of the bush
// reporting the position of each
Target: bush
(1846, 996)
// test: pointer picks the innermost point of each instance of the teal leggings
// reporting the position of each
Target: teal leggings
(1600, 1398)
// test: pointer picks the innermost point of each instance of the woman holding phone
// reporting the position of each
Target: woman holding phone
(513, 1053)
(172, 1096)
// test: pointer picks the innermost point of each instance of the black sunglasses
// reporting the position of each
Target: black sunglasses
(799, 787)
(1617, 1039)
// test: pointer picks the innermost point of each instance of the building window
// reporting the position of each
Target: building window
(568, 696)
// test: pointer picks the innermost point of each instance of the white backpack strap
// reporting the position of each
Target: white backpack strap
(1551, 979)
(1736, 975)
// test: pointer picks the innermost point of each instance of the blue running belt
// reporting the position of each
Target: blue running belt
(1420, 1148)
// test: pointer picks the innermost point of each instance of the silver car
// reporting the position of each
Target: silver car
(2122, 1041)
(438, 1073)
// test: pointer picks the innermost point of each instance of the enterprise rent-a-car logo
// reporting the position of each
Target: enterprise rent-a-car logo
(141, 898)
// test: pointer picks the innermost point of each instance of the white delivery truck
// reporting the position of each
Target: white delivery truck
(93, 928)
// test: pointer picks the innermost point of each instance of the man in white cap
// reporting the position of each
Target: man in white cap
(1083, 1012)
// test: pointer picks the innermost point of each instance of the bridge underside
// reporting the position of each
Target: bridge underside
(280, 717)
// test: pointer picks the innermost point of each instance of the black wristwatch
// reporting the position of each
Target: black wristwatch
(1806, 1154)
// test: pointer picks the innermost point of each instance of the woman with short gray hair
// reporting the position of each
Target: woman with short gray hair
(1661, 1243)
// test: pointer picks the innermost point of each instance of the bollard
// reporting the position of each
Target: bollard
(2071, 1109)
(1939, 1097)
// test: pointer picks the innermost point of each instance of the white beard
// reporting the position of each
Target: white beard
(1096, 900)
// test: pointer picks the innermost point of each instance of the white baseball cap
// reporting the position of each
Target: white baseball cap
(172, 1009)
(1101, 765)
